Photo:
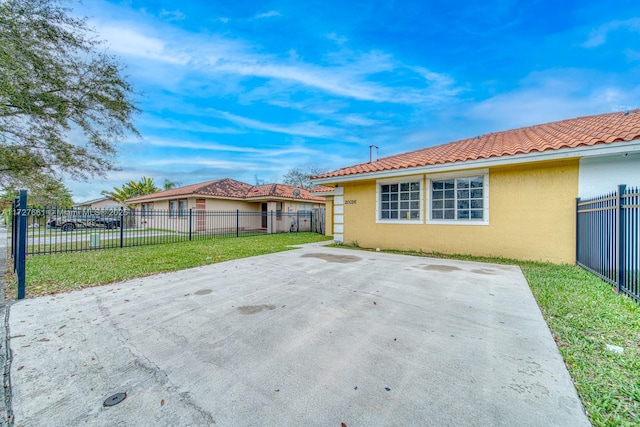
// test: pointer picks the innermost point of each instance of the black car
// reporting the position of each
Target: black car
(71, 222)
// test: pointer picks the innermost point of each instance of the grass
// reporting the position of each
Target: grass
(111, 239)
(35, 233)
(584, 314)
(50, 274)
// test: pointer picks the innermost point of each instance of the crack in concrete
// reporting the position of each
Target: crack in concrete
(141, 361)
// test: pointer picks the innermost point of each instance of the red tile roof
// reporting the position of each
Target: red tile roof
(281, 191)
(230, 188)
(322, 189)
(579, 132)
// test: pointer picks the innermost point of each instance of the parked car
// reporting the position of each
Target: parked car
(71, 222)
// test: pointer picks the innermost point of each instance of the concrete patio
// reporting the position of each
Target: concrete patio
(312, 336)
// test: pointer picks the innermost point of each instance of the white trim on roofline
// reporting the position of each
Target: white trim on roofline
(564, 153)
(324, 193)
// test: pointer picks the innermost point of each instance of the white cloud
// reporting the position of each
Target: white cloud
(350, 80)
(599, 35)
(340, 40)
(269, 14)
(632, 55)
(308, 129)
(360, 120)
(550, 96)
(190, 162)
(208, 146)
(124, 40)
(172, 15)
(190, 125)
(350, 75)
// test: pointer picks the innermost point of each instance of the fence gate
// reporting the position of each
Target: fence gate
(607, 240)
(319, 218)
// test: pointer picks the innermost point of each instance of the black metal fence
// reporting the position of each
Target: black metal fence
(55, 230)
(608, 235)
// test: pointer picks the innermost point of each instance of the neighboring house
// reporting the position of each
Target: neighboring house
(102, 203)
(508, 194)
(278, 203)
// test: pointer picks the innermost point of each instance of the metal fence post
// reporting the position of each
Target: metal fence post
(121, 226)
(21, 253)
(190, 222)
(237, 222)
(620, 238)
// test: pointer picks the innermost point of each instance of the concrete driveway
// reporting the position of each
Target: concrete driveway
(314, 336)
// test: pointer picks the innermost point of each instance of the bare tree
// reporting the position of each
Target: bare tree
(301, 178)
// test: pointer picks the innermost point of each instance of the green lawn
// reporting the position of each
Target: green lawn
(48, 274)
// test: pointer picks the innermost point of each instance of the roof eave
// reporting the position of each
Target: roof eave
(182, 196)
(208, 196)
(564, 153)
(324, 193)
(281, 198)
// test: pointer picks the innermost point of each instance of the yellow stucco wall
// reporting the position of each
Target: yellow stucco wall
(531, 217)
(328, 217)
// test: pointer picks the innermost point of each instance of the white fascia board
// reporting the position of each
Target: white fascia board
(324, 193)
(562, 154)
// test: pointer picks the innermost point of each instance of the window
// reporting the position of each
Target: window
(400, 201)
(177, 208)
(459, 199)
(146, 209)
(278, 210)
(182, 208)
(305, 207)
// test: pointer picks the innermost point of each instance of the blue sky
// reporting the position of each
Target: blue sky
(241, 89)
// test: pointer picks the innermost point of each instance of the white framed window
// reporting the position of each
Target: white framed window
(182, 208)
(177, 208)
(458, 198)
(146, 209)
(400, 200)
(305, 207)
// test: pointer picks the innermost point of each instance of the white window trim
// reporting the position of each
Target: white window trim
(462, 174)
(413, 178)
